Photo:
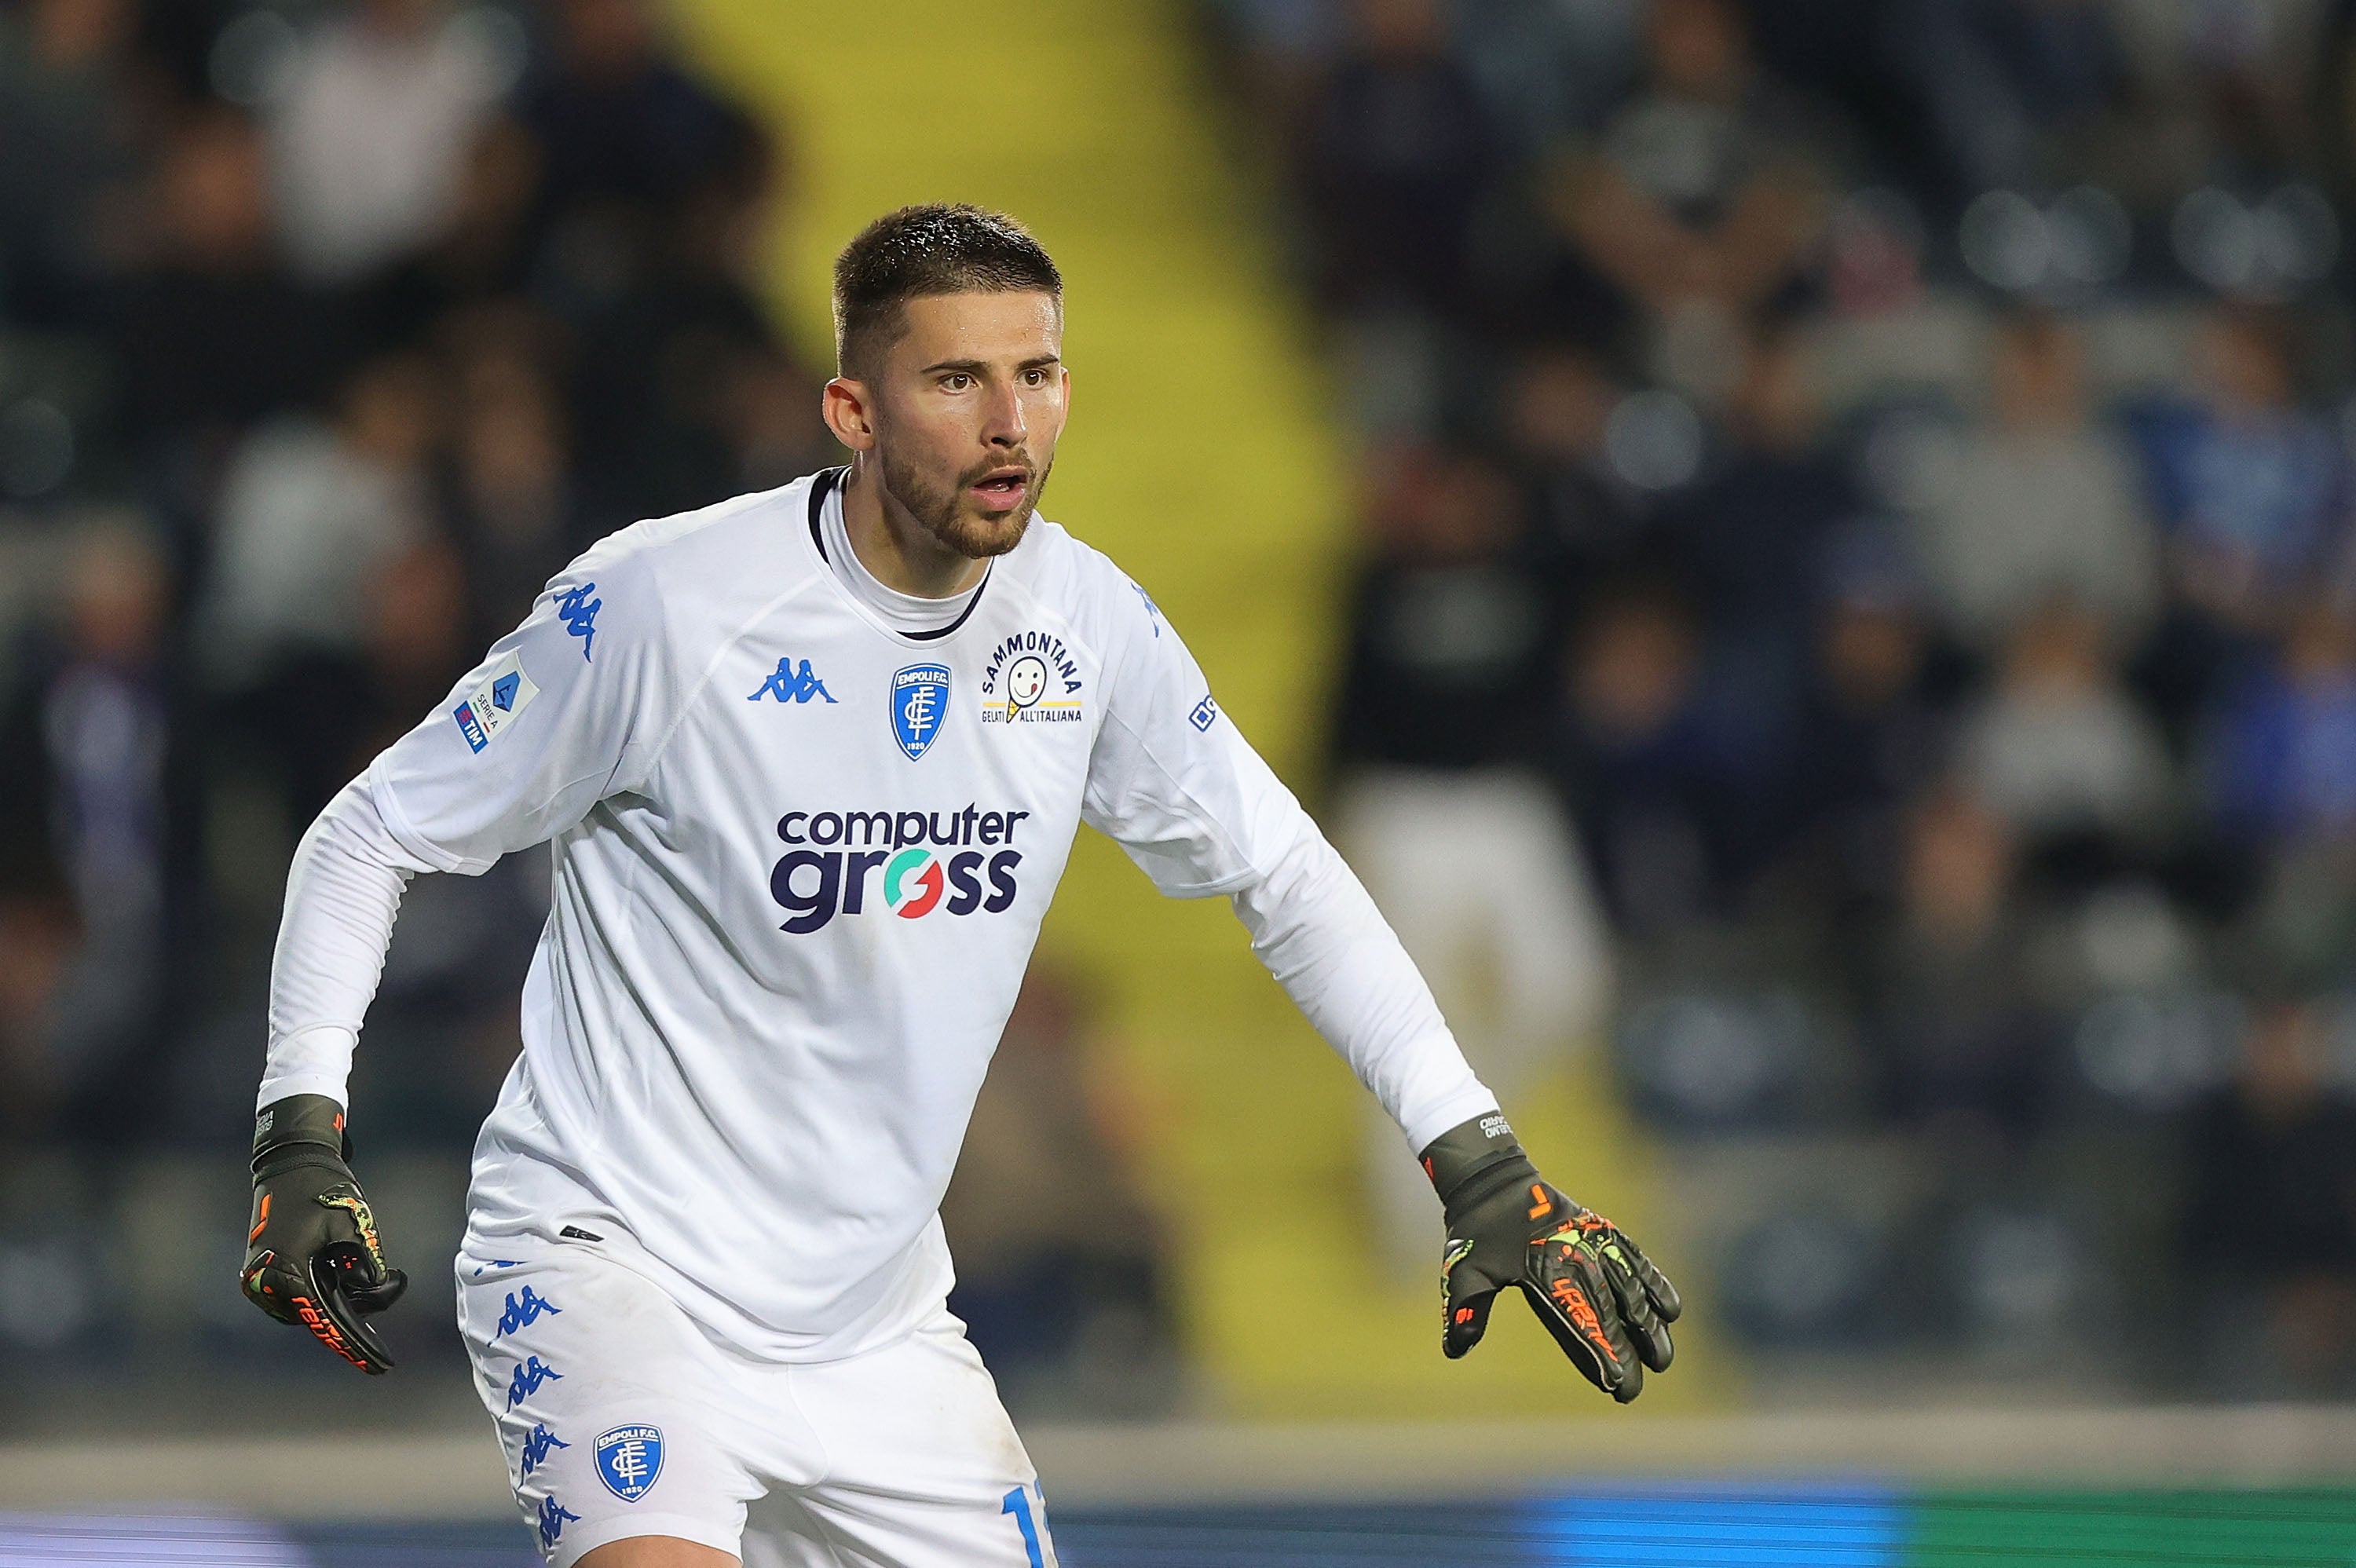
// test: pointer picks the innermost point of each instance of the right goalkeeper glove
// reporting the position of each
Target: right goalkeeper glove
(311, 1256)
(1601, 1299)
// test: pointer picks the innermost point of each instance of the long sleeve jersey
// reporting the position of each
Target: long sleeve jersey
(802, 855)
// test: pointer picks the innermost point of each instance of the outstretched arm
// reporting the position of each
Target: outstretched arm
(1200, 812)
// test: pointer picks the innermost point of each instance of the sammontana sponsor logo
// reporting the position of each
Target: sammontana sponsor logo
(1030, 679)
(917, 860)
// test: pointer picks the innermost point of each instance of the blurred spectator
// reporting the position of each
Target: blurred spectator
(2251, 487)
(2008, 84)
(627, 140)
(2058, 747)
(1059, 1263)
(1557, 405)
(1670, 783)
(1753, 534)
(309, 515)
(1400, 154)
(68, 119)
(87, 805)
(211, 334)
(371, 133)
(1872, 731)
(2274, 1165)
(1961, 1041)
(514, 504)
(1706, 189)
(2281, 745)
(1443, 713)
(2040, 504)
(1451, 627)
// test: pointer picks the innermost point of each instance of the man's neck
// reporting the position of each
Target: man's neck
(897, 549)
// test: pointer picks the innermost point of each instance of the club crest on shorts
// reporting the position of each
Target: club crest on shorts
(920, 696)
(628, 1460)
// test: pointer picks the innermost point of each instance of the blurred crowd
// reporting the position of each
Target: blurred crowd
(1857, 607)
(330, 330)
(327, 332)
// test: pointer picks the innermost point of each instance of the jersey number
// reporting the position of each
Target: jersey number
(1018, 1503)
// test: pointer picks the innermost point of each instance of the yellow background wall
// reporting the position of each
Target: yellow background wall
(1203, 456)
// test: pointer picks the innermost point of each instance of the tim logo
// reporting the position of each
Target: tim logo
(790, 684)
(920, 696)
(629, 1458)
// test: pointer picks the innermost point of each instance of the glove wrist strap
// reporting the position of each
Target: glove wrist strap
(1474, 1159)
(310, 1120)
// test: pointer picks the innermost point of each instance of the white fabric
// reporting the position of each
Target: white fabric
(899, 1458)
(763, 1112)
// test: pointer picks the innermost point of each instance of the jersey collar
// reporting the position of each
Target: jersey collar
(823, 486)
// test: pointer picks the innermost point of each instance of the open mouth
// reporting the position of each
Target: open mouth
(1002, 490)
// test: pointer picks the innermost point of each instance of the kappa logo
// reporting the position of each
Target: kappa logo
(920, 699)
(790, 684)
(579, 613)
(553, 1517)
(530, 1373)
(629, 1460)
(536, 1446)
(1152, 610)
(523, 1314)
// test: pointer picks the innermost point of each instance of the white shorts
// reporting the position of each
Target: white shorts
(621, 1417)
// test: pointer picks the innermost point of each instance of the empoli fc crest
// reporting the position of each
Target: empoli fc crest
(920, 696)
(628, 1460)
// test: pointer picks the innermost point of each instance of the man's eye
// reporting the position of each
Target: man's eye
(957, 383)
(1035, 378)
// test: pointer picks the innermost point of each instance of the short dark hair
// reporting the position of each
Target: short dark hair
(939, 247)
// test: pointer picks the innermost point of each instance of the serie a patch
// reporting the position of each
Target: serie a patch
(491, 705)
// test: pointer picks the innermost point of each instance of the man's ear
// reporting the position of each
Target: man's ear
(848, 413)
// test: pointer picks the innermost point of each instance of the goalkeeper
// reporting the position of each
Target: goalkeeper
(812, 760)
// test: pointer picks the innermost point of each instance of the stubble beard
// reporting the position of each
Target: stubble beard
(942, 514)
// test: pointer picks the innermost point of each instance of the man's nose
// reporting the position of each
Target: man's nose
(1003, 421)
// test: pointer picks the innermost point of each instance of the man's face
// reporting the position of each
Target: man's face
(966, 407)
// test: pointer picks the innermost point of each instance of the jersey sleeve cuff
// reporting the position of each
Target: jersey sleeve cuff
(1429, 1120)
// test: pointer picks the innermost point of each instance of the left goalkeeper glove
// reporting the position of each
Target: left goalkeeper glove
(1601, 1299)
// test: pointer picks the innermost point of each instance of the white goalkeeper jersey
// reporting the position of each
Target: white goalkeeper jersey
(801, 857)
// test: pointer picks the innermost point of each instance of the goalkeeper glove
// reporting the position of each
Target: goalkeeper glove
(311, 1256)
(1601, 1299)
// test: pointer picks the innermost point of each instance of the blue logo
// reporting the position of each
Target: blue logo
(920, 696)
(529, 1374)
(503, 691)
(579, 613)
(525, 1312)
(536, 1446)
(786, 684)
(553, 1517)
(1206, 714)
(1152, 610)
(629, 1458)
(471, 727)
